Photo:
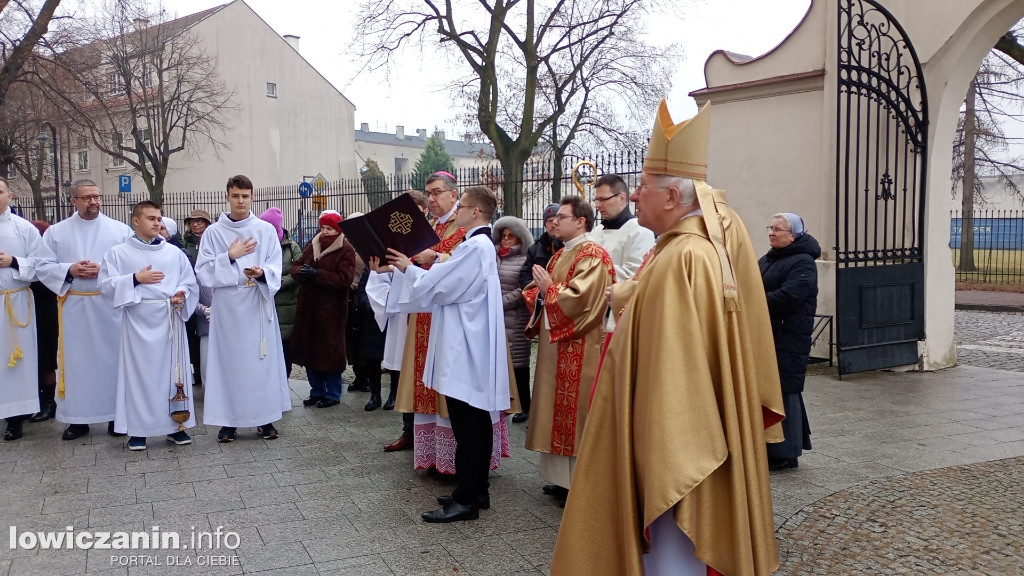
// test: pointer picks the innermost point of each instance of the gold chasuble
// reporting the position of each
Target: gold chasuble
(570, 348)
(687, 396)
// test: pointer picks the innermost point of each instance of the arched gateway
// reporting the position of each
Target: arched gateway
(850, 122)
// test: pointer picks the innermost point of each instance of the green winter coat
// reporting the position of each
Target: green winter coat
(286, 298)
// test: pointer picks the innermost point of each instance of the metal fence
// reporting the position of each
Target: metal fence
(997, 256)
(542, 182)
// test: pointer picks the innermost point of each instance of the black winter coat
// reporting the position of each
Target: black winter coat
(539, 253)
(791, 286)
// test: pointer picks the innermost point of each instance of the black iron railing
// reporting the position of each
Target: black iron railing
(993, 251)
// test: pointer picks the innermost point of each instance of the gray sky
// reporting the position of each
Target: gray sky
(415, 98)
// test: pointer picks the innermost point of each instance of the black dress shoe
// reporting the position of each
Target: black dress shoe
(312, 400)
(110, 430)
(75, 431)
(555, 490)
(14, 431)
(776, 464)
(327, 403)
(45, 413)
(226, 434)
(483, 502)
(520, 418)
(373, 404)
(389, 404)
(359, 386)
(453, 512)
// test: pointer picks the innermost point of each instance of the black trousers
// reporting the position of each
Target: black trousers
(523, 387)
(472, 430)
(407, 418)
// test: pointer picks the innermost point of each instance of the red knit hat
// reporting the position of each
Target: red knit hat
(330, 218)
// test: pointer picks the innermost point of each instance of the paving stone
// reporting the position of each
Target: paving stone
(372, 565)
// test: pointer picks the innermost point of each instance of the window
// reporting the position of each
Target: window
(115, 83)
(271, 90)
(82, 155)
(401, 165)
(148, 75)
(116, 139)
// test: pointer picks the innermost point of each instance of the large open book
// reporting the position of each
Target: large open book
(398, 224)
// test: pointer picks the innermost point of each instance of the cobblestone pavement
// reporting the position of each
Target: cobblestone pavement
(325, 499)
(902, 525)
(990, 339)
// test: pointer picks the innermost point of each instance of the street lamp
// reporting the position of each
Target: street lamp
(43, 137)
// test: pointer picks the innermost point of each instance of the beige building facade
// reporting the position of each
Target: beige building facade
(289, 122)
(777, 139)
(397, 152)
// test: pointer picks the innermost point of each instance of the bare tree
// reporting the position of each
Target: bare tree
(980, 144)
(527, 62)
(22, 27)
(143, 90)
(21, 149)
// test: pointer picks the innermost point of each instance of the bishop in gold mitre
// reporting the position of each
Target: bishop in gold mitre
(672, 475)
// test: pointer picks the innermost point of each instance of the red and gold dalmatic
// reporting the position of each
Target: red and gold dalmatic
(433, 441)
(568, 355)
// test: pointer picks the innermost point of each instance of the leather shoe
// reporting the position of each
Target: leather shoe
(327, 403)
(47, 412)
(389, 404)
(403, 443)
(75, 431)
(312, 400)
(14, 431)
(520, 418)
(373, 404)
(453, 512)
(776, 464)
(555, 490)
(482, 502)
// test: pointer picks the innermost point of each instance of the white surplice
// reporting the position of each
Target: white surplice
(627, 246)
(395, 326)
(467, 357)
(150, 362)
(19, 365)
(88, 355)
(246, 384)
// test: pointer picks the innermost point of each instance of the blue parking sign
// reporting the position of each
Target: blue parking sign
(124, 184)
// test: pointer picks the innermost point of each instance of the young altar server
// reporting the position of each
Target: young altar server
(152, 283)
(240, 258)
(467, 359)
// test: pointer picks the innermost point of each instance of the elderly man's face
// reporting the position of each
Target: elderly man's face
(649, 200)
(440, 200)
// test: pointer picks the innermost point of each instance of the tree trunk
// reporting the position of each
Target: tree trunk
(512, 184)
(967, 186)
(556, 182)
(40, 203)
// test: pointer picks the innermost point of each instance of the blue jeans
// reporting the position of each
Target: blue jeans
(324, 384)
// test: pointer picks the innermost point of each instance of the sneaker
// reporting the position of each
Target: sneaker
(180, 438)
(226, 434)
(267, 431)
(136, 443)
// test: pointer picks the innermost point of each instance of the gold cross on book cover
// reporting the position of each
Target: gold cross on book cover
(398, 224)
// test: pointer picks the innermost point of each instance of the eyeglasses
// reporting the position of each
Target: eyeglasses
(775, 229)
(461, 206)
(561, 217)
(607, 198)
(437, 192)
(89, 198)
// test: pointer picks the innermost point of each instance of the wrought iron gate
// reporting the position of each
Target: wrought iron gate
(882, 126)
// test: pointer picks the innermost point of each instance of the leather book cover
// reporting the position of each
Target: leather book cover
(398, 224)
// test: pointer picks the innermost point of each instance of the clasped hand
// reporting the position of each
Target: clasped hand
(85, 269)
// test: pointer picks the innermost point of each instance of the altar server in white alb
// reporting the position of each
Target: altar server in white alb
(22, 256)
(151, 283)
(619, 231)
(240, 258)
(467, 358)
(87, 371)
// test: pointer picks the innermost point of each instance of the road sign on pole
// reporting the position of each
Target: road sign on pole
(319, 183)
(124, 184)
(305, 189)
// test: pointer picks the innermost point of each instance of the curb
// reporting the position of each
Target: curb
(1011, 308)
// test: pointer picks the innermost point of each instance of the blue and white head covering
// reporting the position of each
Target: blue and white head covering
(796, 223)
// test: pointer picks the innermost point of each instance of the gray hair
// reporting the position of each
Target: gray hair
(80, 183)
(449, 184)
(684, 185)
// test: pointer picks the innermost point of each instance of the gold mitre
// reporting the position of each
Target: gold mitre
(679, 149)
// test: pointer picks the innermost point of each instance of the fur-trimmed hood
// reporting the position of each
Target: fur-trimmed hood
(517, 226)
